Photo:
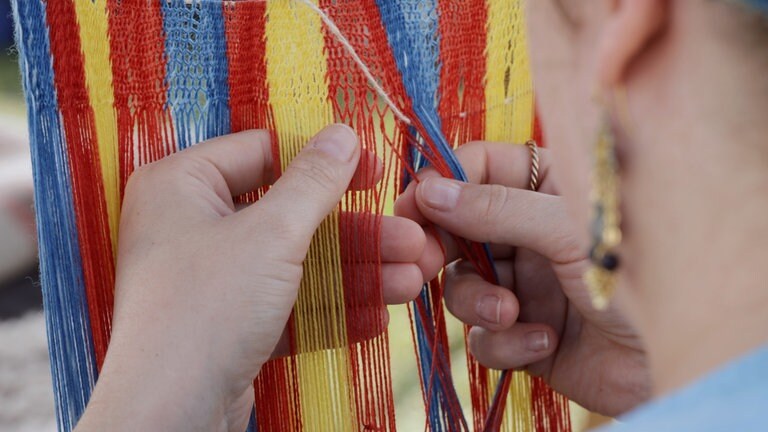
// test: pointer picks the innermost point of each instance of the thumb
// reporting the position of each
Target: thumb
(313, 184)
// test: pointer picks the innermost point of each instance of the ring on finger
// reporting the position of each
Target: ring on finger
(534, 149)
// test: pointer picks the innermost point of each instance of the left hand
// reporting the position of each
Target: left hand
(203, 291)
(540, 315)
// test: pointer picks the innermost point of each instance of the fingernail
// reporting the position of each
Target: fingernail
(489, 308)
(338, 141)
(537, 341)
(440, 194)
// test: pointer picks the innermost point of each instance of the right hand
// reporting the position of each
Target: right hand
(541, 317)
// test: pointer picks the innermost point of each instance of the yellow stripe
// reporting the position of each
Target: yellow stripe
(509, 91)
(509, 118)
(94, 38)
(298, 92)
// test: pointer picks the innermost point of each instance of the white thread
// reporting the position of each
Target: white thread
(351, 51)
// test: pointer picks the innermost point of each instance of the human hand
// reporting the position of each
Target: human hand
(203, 291)
(540, 317)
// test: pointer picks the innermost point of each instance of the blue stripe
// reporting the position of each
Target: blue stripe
(441, 388)
(412, 28)
(197, 69)
(73, 364)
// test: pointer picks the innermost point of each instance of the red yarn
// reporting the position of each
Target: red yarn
(82, 151)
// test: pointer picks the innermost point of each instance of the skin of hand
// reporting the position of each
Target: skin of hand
(203, 291)
(681, 176)
(540, 316)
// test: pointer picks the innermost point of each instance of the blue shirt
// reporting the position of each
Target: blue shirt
(734, 398)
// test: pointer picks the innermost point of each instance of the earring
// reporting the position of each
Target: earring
(606, 219)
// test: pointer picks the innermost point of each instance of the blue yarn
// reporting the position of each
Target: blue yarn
(441, 387)
(435, 397)
(73, 363)
(429, 377)
(412, 29)
(425, 362)
(197, 69)
(252, 425)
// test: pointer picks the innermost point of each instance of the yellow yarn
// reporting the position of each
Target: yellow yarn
(299, 94)
(93, 24)
(509, 90)
(509, 118)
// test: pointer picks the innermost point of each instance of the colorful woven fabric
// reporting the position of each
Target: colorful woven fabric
(115, 84)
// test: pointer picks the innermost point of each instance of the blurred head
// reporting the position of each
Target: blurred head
(694, 75)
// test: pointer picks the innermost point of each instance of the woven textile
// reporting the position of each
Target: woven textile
(115, 84)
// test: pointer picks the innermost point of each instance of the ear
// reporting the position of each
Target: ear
(631, 26)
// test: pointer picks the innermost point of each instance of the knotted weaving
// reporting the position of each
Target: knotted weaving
(114, 84)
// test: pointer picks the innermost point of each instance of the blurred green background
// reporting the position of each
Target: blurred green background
(11, 102)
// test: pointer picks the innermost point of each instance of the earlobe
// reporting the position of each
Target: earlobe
(631, 26)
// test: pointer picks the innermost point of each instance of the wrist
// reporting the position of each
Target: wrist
(175, 391)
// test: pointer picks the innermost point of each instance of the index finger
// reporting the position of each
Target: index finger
(484, 163)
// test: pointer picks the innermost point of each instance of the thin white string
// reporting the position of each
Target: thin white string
(336, 32)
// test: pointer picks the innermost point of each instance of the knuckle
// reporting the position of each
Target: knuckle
(260, 136)
(281, 228)
(474, 157)
(186, 164)
(471, 149)
(495, 197)
(316, 175)
(569, 248)
(140, 179)
(170, 173)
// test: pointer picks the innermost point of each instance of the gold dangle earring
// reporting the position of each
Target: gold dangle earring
(606, 219)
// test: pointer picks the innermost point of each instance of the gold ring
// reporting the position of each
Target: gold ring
(534, 148)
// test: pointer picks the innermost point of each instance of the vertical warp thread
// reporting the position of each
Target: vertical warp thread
(175, 84)
(196, 69)
(297, 77)
(356, 102)
(68, 327)
(93, 25)
(79, 129)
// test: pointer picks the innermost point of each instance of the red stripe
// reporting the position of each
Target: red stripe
(360, 226)
(276, 395)
(245, 27)
(463, 65)
(137, 54)
(550, 409)
(87, 182)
